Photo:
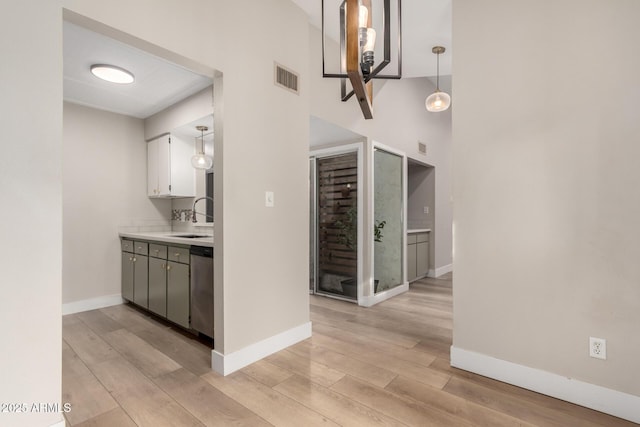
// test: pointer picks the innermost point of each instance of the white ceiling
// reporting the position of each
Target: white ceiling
(322, 132)
(158, 83)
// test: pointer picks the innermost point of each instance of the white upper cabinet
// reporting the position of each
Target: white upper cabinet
(169, 170)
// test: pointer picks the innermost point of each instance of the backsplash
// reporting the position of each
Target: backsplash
(181, 220)
(145, 225)
(182, 215)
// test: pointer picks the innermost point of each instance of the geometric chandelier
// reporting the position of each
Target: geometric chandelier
(355, 25)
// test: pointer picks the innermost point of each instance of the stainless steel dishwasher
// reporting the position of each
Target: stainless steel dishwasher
(202, 289)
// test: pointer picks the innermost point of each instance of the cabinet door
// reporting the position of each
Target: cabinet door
(422, 257)
(183, 175)
(178, 293)
(158, 286)
(152, 168)
(141, 280)
(411, 262)
(164, 166)
(127, 276)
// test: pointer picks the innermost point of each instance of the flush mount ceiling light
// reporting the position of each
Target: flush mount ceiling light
(112, 74)
(200, 160)
(438, 101)
(359, 23)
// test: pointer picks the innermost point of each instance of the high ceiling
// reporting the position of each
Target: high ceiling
(425, 23)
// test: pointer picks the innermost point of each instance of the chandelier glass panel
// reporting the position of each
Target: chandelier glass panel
(361, 41)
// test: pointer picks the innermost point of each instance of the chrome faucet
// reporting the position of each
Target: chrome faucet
(193, 210)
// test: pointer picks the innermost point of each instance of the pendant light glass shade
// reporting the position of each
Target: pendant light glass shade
(201, 160)
(438, 100)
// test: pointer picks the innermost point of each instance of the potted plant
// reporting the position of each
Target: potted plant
(377, 233)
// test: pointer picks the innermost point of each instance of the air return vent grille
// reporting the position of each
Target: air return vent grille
(422, 147)
(285, 78)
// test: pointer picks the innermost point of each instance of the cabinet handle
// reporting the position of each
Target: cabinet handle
(162, 266)
(139, 248)
(130, 258)
(168, 267)
(177, 254)
(134, 260)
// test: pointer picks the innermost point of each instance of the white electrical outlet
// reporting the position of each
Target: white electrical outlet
(426, 209)
(598, 348)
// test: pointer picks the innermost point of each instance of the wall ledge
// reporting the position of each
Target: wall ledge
(91, 304)
(225, 364)
(592, 396)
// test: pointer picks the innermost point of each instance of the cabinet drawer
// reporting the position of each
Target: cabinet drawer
(126, 245)
(411, 239)
(157, 251)
(141, 248)
(422, 237)
(178, 254)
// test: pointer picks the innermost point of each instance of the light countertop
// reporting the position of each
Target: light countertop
(419, 230)
(170, 237)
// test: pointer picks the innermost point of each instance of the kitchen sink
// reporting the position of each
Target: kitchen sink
(189, 236)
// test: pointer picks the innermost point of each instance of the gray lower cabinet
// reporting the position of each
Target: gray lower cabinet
(412, 264)
(422, 254)
(157, 277)
(134, 272)
(178, 292)
(140, 280)
(417, 255)
(127, 275)
(141, 274)
(158, 286)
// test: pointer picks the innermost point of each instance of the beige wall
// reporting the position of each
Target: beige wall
(105, 187)
(31, 214)
(261, 256)
(400, 121)
(186, 111)
(546, 185)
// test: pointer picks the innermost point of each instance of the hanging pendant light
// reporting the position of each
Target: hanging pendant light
(200, 160)
(438, 101)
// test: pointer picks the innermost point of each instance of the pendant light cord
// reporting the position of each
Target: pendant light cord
(438, 72)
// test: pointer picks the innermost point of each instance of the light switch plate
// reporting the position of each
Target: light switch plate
(268, 199)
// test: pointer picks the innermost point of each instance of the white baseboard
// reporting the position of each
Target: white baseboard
(382, 296)
(225, 364)
(91, 304)
(440, 271)
(592, 396)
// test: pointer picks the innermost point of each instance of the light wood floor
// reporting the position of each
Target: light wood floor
(381, 366)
